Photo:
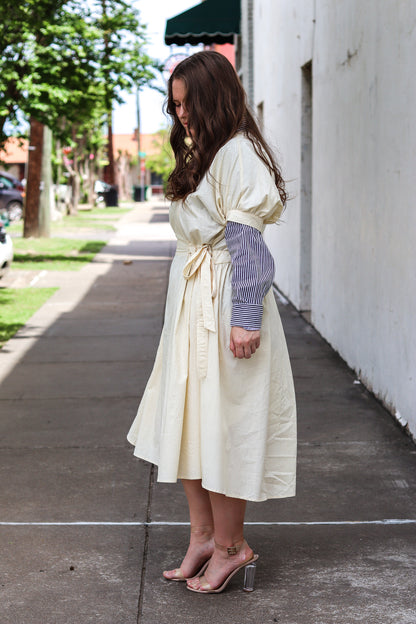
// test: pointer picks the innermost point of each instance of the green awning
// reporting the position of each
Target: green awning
(212, 21)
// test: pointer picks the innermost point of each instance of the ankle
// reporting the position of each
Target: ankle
(201, 536)
(202, 531)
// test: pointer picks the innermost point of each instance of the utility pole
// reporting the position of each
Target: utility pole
(34, 177)
(140, 154)
(110, 149)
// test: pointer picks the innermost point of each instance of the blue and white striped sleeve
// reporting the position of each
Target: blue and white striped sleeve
(252, 274)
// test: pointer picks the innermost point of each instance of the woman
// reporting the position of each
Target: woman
(218, 411)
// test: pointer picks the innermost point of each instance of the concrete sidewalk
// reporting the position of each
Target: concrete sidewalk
(86, 530)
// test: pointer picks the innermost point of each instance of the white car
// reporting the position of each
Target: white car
(6, 250)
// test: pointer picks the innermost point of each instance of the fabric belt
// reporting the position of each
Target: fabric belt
(200, 265)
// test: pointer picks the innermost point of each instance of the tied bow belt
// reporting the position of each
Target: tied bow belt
(200, 266)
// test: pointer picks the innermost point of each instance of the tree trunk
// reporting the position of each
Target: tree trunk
(123, 168)
(46, 196)
(111, 174)
(3, 137)
(58, 163)
(90, 173)
(75, 186)
(33, 187)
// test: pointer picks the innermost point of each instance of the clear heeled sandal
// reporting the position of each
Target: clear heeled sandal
(249, 573)
(180, 577)
(200, 569)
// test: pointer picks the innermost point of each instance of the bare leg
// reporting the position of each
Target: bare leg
(201, 544)
(228, 516)
(199, 503)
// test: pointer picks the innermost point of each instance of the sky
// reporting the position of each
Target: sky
(154, 13)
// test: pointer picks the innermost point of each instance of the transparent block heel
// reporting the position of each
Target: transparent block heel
(249, 574)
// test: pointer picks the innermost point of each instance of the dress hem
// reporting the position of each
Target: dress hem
(253, 499)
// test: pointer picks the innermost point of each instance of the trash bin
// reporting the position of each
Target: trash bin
(111, 197)
(138, 194)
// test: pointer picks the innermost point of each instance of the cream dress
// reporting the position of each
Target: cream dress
(205, 414)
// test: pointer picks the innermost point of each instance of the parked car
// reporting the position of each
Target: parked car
(6, 250)
(11, 198)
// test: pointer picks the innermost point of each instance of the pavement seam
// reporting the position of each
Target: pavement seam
(162, 523)
(146, 543)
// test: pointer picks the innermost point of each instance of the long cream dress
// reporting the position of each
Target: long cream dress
(205, 414)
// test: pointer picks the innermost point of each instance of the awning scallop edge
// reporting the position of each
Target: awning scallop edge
(212, 21)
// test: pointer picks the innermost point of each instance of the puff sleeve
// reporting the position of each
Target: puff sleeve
(247, 199)
(245, 189)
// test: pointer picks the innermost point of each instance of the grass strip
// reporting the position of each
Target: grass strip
(17, 305)
(79, 222)
(89, 219)
(92, 218)
(107, 212)
(53, 254)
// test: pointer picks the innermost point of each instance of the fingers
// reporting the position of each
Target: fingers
(243, 352)
(244, 343)
(232, 347)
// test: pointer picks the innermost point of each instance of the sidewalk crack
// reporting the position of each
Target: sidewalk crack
(146, 543)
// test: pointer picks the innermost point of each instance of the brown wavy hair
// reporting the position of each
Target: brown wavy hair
(216, 106)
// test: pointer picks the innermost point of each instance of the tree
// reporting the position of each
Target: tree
(48, 72)
(123, 63)
(63, 63)
(163, 161)
(46, 65)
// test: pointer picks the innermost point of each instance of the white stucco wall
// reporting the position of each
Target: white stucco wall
(363, 221)
(279, 53)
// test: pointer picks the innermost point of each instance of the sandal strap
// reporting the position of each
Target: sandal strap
(230, 550)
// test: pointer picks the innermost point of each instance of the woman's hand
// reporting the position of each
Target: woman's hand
(244, 343)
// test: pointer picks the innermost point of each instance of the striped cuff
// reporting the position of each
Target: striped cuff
(247, 315)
